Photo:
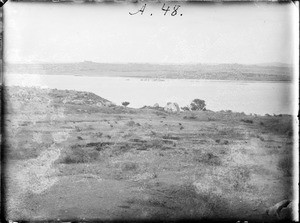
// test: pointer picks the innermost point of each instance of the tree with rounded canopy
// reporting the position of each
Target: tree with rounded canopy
(198, 105)
(125, 103)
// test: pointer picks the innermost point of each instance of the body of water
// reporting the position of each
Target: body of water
(239, 96)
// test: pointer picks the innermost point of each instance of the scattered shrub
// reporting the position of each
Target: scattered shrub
(138, 140)
(130, 123)
(211, 119)
(222, 142)
(78, 129)
(247, 121)
(285, 164)
(185, 108)
(129, 166)
(167, 147)
(261, 138)
(168, 136)
(98, 145)
(158, 113)
(190, 117)
(99, 134)
(156, 143)
(152, 133)
(79, 154)
(124, 148)
(210, 159)
(225, 142)
(289, 133)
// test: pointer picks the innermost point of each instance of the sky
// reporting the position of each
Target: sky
(107, 33)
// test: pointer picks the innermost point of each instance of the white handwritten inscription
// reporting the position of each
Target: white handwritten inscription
(167, 10)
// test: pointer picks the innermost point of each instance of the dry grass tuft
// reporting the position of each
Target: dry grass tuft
(209, 159)
(79, 154)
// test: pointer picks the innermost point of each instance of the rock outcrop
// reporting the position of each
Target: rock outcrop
(283, 210)
(172, 107)
(28, 99)
(156, 105)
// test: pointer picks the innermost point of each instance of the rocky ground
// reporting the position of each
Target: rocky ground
(75, 156)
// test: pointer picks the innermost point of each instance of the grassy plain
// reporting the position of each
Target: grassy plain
(70, 157)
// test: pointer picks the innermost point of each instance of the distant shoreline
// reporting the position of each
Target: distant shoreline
(159, 79)
(193, 71)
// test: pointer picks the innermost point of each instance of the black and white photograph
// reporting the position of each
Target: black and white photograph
(149, 111)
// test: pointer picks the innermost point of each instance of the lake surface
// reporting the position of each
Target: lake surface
(239, 96)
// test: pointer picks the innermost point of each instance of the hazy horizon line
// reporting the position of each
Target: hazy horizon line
(144, 63)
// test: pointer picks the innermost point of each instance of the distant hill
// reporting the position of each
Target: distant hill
(259, 72)
(275, 64)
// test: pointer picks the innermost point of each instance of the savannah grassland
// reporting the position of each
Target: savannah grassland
(70, 157)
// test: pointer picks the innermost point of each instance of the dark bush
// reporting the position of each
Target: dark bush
(185, 108)
(79, 154)
(192, 116)
(125, 103)
(247, 121)
(209, 159)
(285, 164)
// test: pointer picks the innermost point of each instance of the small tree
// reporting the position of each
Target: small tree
(125, 103)
(198, 104)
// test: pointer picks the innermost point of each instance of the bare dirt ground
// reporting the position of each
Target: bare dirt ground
(73, 159)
